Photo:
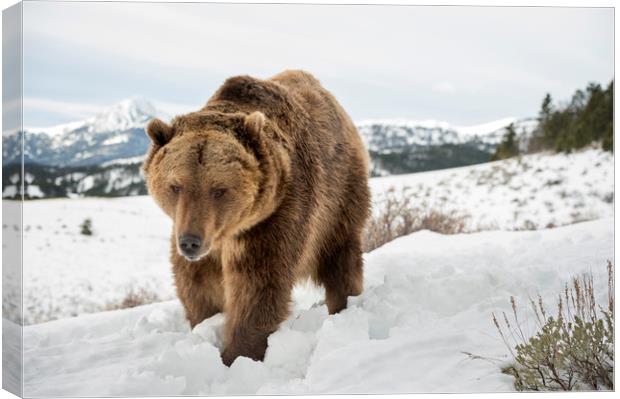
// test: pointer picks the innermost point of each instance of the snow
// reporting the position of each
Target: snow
(426, 306)
(9, 191)
(124, 161)
(129, 113)
(34, 191)
(86, 184)
(394, 136)
(56, 130)
(122, 138)
(119, 178)
(432, 124)
(422, 324)
(68, 274)
(136, 111)
(534, 191)
(485, 128)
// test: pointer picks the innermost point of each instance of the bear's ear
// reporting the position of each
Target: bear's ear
(254, 123)
(159, 131)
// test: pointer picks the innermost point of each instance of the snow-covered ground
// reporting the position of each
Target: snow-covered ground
(531, 192)
(422, 324)
(425, 308)
(67, 273)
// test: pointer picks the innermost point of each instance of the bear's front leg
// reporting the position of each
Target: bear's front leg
(257, 301)
(199, 286)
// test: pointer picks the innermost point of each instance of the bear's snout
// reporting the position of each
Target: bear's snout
(189, 246)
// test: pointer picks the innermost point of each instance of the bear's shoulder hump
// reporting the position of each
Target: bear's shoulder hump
(246, 89)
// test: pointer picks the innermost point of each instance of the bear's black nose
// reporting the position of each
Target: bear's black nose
(189, 245)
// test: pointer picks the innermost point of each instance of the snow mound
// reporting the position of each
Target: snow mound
(426, 305)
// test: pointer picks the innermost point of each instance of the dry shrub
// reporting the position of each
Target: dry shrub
(133, 298)
(572, 350)
(397, 216)
(86, 228)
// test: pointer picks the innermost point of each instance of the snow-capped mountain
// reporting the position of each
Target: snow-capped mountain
(111, 144)
(133, 112)
(401, 146)
(115, 133)
(118, 133)
(394, 135)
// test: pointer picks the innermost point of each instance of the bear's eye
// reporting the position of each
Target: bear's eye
(175, 189)
(218, 192)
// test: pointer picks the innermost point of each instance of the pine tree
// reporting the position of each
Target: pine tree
(541, 136)
(608, 138)
(509, 147)
(587, 118)
(545, 109)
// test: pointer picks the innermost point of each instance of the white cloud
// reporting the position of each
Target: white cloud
(77, 110)
(444, 87)
(173, 109)
(378, 60)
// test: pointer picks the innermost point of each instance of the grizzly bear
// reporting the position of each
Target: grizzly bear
(267, 184)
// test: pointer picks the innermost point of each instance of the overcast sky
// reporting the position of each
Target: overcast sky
(463, 65)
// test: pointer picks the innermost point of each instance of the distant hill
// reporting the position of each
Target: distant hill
(398, 147)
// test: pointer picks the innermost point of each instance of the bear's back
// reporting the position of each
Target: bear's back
(329, 163)
(250, 94)
(306, 112)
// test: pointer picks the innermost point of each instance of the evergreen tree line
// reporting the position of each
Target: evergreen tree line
(586, 119)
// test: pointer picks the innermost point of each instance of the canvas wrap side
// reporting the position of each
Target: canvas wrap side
(12, 286)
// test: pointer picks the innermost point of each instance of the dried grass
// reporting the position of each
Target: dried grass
(133, 298)
(397, 215)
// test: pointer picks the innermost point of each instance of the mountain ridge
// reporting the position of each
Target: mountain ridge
(131, 112)
(111, 146)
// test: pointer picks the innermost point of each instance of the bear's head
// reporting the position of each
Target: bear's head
(213, 174)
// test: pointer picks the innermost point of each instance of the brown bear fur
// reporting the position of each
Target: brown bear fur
(272, 176)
